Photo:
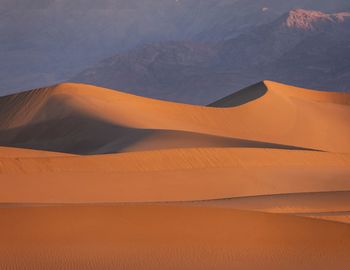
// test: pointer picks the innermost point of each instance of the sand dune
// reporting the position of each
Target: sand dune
(108, 180)
(53, 118)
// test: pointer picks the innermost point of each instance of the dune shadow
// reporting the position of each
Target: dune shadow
(241, 97)
(79, 134)
(76, 134)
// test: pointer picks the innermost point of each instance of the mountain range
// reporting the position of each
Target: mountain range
(302, 47)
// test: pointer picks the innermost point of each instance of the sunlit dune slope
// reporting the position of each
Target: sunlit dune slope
(172, 175)
(166, 237)
(79, 118)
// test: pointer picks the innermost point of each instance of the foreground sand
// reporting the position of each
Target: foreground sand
(158, 237)
(257, 180)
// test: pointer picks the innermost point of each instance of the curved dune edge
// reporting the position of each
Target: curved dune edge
(163, 237)
(293, 203)
(332, 205)
(284, 115)
(342, 217)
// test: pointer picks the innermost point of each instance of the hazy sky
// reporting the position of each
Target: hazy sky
(46, 41)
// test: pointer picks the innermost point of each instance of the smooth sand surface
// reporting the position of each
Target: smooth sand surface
(98, 179)
(158, 237)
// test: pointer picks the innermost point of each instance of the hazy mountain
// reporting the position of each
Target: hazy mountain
(45, 41)
(302, 47)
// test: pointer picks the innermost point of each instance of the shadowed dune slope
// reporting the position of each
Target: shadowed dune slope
(166, 237)
(85, 119)
(243, 96)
